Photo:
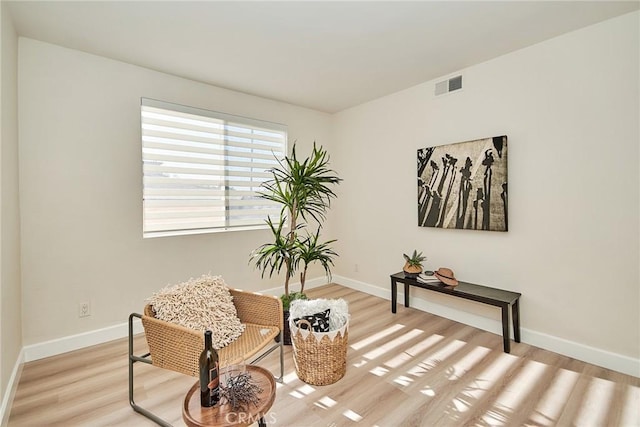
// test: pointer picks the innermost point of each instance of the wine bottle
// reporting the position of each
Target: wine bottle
(209, 380)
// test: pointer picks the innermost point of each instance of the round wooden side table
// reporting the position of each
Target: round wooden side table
(195, 415)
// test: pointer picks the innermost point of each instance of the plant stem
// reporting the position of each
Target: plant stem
(303, 278)
(286, 278)
(292, 239)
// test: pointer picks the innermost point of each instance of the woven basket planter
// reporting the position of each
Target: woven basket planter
(320, 357)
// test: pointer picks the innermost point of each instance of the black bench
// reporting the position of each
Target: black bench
(492, 296)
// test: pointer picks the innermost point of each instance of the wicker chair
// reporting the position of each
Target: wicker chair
(177, 348)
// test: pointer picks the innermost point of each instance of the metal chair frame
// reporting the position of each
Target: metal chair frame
(145, 358)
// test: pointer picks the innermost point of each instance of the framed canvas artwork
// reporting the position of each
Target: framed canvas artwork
(464, 185)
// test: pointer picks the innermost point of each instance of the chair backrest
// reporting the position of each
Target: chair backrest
(261, 310)
(172, 346)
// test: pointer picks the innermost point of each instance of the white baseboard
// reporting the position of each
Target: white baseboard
(10, 392)
(99, 336)
(75, 342)
(596, 356)
(308, 284)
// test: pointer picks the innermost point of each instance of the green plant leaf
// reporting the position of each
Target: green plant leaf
(415, 259)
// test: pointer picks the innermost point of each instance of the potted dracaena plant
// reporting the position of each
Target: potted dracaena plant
(304, 189)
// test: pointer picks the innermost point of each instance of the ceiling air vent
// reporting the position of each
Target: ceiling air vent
(446, 86)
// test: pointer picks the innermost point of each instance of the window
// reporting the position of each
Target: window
(202, 169)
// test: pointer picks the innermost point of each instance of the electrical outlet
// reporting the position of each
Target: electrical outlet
(84, 309)
(355, 268)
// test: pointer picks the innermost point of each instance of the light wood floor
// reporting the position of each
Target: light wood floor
(407, 369)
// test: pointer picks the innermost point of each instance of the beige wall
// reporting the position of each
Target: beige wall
(570, 109)
(10, 293)
(568, 105)
(81, 190)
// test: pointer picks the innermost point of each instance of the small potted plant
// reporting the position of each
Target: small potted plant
(413, 264)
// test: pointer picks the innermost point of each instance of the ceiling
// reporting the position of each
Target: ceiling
(324, 55)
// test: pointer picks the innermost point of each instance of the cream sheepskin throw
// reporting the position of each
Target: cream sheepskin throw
(337, 317)
(200, 304)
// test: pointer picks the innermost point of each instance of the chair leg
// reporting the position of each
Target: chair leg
(132, 360)
(279, 345)
(281, 358)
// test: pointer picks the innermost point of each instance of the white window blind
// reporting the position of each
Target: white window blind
(202, 169)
